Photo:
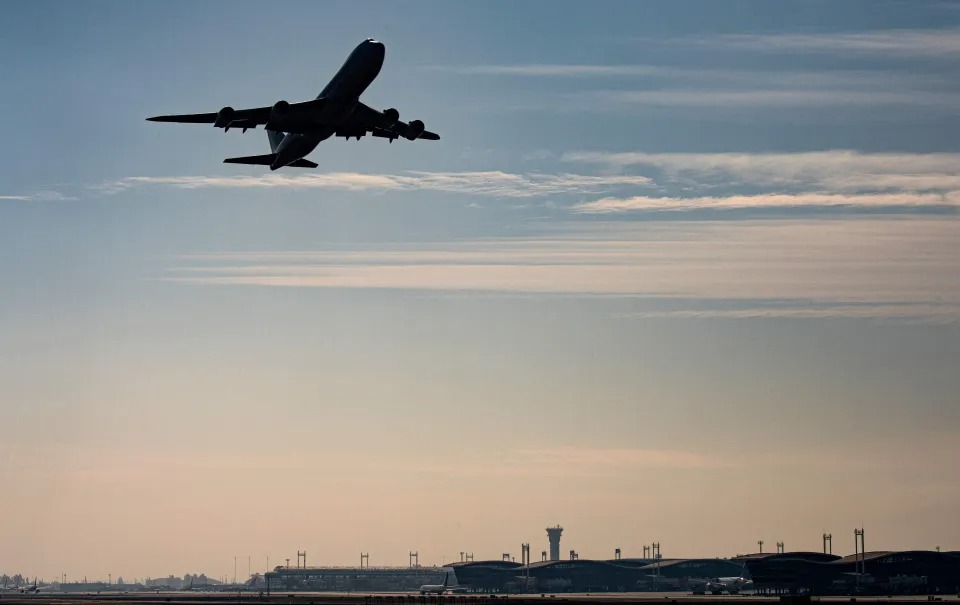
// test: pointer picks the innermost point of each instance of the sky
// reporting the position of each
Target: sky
(683, 272)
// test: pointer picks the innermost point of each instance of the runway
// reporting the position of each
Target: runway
(330, 598)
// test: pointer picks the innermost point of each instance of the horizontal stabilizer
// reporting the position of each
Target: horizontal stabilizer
(302, 163)
(262, 160)
(266, 160)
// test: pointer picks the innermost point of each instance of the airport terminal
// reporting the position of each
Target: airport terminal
(777, 573)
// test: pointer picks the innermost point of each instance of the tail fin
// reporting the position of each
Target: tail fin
(275, 139)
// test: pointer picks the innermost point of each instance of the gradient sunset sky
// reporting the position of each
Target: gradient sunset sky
(685, 272)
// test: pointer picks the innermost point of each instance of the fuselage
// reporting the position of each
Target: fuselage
(732, 585)
(341, 95)
(436, 588)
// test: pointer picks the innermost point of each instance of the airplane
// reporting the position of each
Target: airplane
(436, 588)
(732, 585)
(35, 589)
(295, 129)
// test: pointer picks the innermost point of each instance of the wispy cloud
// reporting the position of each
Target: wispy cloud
(808, 201)
(787, 97)
(551, 70)
(902, 42)
(926, 312)
(827, 268)
(672, 86)
(564, 461)
(833, 170)
(620, 459)
(97, 465)
(496, 184)
(39, 196)
(700, 77)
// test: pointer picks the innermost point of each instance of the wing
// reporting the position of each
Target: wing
(240, 118)
(283, 116)
(397, 133)
(366, 120)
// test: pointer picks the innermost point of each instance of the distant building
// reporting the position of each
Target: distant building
(881, 572)
(170, 582)
(385, 579)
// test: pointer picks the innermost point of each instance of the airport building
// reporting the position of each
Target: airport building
(353, 579)
(884, 572)
(881, 572)
(583, 575)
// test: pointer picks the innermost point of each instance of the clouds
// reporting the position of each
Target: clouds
(838, 169)
(592, 459)
(38, 196)
(766, 97)
(855, 80)
(550, 70)
(923, 312)
(888, 202)
(835, 181)
(827, 179)
(892, 42)
(495, 183)
(828, 268)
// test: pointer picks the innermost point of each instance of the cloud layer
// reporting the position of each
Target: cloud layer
(38, 196)
(497, 184)
(891, 42)
(833, 170)
(834, 179)
(892, 201)
(895, 268)
(772, 97)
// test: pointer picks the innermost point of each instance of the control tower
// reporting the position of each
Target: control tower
(553, 534)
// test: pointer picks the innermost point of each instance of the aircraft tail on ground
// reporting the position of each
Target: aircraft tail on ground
(275, 139)
(266, 160)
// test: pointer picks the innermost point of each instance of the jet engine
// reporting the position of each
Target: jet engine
(414, 130)
(279, 111)
(390, 117)
(224, 117)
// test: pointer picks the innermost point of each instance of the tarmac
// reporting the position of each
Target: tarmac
(307, 598)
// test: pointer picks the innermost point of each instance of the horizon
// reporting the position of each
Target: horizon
(683, 272)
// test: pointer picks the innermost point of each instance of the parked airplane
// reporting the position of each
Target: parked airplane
(730, 585)
(436, 588)
(295, 129)
(32, 589)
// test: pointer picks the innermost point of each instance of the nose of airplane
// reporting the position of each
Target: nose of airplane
(375, 46)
